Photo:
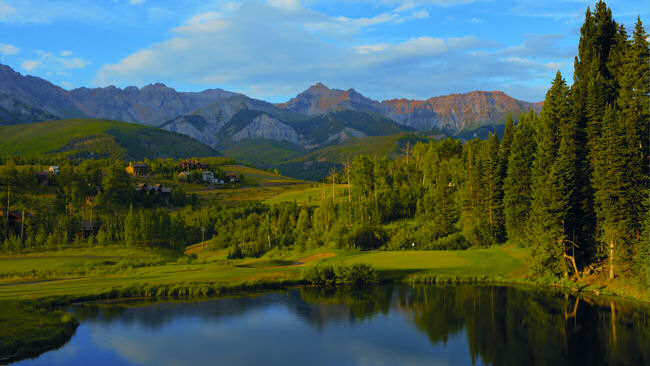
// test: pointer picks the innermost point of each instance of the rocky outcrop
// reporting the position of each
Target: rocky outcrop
(320, 99)
(267, 127)
(456, 112)
(195, 127)
(15, 111)
(152, 105)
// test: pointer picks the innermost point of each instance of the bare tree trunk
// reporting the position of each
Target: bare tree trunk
(573, 261)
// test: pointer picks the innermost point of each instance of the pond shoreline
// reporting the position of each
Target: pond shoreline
(61, 334)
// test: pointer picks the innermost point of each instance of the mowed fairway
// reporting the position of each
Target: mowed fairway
(213, 268)
(493, 262)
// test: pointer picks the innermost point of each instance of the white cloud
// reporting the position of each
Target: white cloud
(6, 12)
(7, 49)
(30, 65)
(51, 61)
(133, 2)
(67, 85)
(476, 20)
(420, 14)
(286, 4)
(544, 46)
(265, 50)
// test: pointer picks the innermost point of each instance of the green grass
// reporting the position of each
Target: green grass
(402, 265)
(212, 268)
(105, 138)
(257, 176)
(307, 195)
(27, 330)
(262, 152)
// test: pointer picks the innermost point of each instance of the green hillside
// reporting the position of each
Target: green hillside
(100, 138)
(263, 152)
(317, 164)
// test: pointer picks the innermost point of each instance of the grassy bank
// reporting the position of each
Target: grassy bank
(28, 329)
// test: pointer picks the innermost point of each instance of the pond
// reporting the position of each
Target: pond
(386, 325)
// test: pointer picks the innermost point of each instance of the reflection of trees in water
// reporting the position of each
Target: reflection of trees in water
(507, 326)
(155, 314)
(327, 305)
(504, 326)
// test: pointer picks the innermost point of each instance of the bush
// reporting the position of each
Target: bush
(355, 275)
(369, 237)
(236, 253)
(455, 241)
(320, 275)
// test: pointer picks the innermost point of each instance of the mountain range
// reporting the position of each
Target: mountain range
(315, 118)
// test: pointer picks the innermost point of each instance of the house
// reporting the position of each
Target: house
(192, 165)
(232, 178)
(207, 176)
(138, 169)
(156, 188)
(15, 217)
(184, 175)
(54, 169)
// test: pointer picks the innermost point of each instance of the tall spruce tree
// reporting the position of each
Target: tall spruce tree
(594, 86)
(545, 230)
(610, 196)
(634, 105)
(518, 181)
(493, 188)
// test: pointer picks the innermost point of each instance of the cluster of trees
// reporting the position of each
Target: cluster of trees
(84, 204)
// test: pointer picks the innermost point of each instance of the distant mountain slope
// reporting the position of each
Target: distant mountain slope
(316, 164)
(315, 118)
(99, 138)
(455, 112)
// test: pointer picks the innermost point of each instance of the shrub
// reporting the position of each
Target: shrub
(369, 237)
(354, 275)
(236, 253)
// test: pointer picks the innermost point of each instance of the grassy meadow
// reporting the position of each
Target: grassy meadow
(94, 271)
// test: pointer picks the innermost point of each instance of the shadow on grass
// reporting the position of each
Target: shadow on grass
(396, 275)
(266, 264)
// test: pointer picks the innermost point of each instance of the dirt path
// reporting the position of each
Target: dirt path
(303, 261)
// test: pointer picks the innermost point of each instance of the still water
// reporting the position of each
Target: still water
(391, 325)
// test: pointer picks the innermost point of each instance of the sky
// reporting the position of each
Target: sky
(274, 49)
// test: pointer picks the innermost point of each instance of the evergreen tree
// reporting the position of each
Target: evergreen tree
(493, 188)
(634, 104)
(518, 181)
(545, 229)
(610, 193)
(131, 228)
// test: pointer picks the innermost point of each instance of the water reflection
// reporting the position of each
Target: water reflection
(454, 325)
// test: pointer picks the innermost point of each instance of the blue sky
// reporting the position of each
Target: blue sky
(274, 49)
